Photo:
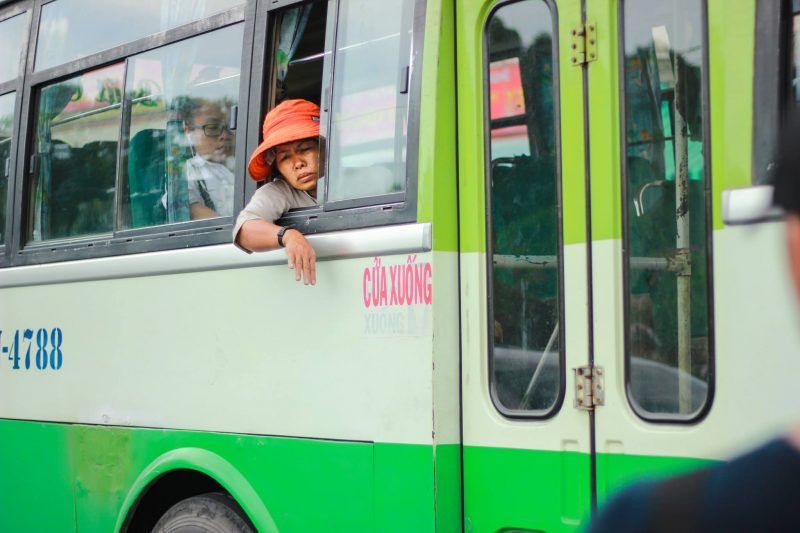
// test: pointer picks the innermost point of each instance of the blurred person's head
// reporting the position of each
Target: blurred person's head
(206, 126)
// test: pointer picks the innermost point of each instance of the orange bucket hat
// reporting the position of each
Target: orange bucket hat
(291, 120)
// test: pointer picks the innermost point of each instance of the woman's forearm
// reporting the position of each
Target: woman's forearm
(258, 235)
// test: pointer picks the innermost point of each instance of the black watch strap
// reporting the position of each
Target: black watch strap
(281, 233)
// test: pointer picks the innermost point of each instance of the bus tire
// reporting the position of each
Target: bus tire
(212, 512)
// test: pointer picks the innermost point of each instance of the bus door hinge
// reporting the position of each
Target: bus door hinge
(584, 43)
(589, 387)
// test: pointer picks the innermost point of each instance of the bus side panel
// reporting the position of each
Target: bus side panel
(35, 477)
(447, 485)
(526, 489)
(305, 484)
(403, 488)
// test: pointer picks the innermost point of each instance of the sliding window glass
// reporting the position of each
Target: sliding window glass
(369, 117)
(6, 140)
(179, 102)
(794, 69)
(666, 240)
(75, 155)
(71, 29)
(12, 43)
(144, 143)
(13, 32)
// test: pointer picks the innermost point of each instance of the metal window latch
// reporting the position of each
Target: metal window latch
(584, 43)
(234, 119)
(33, 165)
(589, 387)
(405, 77)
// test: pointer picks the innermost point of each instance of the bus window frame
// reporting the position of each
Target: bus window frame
(15, 86)
(517, 414)
(771, 96)
(356, 213)
(668, 418)
(122, 241)
(253, 102)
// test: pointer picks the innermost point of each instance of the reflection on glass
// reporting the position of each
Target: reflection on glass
(75, 145)
(367, 145)
(71, 29)
(526, 364)
(11, 46)
(6, 135)
(181, 151)
(507, 106)
(667, 267)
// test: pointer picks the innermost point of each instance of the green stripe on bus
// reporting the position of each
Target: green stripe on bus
(604, 125)
(731, 35)
(36, 478)
(447, 463)
(437, 195)
(304, 484)
(573, 159)
(525, 489)
(549, 490)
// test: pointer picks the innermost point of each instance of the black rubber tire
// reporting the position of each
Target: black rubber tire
(207, 513)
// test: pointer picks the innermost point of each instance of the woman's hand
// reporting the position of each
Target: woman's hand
(302, 257)
(259, 236)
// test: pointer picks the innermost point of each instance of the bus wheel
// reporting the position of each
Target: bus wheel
(212, 512)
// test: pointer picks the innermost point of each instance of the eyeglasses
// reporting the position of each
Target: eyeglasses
(214, 130)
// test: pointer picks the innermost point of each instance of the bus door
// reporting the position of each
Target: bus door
(523, 261)
(650, 213)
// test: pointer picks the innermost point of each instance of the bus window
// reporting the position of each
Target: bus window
(175, 124)
(794, 76)
(667, 301)
(75, 148)
(67, 32)
(6, 135)
(369, 109)
(180, 157)
(12, 31)
(525, 315)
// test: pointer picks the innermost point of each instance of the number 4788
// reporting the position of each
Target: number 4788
(47, 348)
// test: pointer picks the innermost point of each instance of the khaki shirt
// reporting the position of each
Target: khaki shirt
(270, 203)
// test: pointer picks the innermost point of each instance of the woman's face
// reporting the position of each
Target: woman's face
(209, 134)
(297, 162)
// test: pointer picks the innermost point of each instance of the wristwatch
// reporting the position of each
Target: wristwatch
(281, 233)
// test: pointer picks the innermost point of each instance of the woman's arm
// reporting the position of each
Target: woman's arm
(198, 210)
(259, 235)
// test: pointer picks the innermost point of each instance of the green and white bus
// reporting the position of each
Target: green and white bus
(547, 262)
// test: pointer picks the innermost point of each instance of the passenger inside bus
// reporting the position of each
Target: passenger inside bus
(287, 163)
(289, 156)
(209, 179)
